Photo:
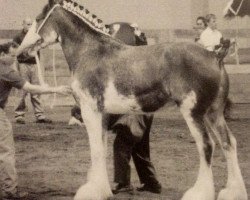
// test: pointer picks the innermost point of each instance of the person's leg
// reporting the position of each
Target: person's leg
(7, 155)
(123, 145)
(141, 157)
(76, 118)
(35, 99)
(8, 173)
(21, 107)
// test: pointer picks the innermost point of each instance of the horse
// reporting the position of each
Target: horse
(111, 77)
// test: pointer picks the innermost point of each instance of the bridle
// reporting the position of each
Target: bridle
(46, 18)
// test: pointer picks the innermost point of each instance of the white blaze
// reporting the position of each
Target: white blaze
(30, 39)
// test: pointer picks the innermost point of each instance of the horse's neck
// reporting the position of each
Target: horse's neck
(77, 47)
(75, 43)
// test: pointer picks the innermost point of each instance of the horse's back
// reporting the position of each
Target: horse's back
(162, 72)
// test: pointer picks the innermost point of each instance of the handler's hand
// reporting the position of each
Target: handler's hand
(65, 90)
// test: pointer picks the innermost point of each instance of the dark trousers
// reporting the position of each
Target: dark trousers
(132, 140)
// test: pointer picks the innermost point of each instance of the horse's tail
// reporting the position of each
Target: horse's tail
(222, 101)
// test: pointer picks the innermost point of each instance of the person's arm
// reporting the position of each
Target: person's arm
(7, 59)
(45, 89)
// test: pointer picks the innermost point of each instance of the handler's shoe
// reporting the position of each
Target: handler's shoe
(74, 121)
(20, 120)
(154, 188)
(18, 195)
(123, 188)
(44, 120)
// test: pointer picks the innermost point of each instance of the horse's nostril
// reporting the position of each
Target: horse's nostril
(40, 41)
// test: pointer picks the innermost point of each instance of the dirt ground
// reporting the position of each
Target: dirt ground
(52, 160)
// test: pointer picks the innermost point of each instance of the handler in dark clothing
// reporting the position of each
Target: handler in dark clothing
(26, 66)
(132, 140)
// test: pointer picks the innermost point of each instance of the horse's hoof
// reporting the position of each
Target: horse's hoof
(232, 194)
(198, 194)
(90, 191)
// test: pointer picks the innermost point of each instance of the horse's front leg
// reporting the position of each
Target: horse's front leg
(97, 187)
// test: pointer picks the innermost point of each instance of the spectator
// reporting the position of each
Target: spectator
(26, 66)
(10, 78)
(201, 25)
(210, 37)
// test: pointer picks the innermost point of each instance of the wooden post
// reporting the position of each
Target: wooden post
(237, 43)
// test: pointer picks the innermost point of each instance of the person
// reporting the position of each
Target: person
(26, 66)
(132, 140)
(10, 78)
(210, 37)
(200, 27)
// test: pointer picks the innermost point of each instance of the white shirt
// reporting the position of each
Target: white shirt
(210, 38)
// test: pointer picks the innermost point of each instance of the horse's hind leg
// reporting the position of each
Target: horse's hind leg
(203, 189)
(235, 187)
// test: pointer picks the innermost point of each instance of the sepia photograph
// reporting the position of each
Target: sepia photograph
(124, 100)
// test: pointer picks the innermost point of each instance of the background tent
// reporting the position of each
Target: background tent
(236, 9)
(239, 8)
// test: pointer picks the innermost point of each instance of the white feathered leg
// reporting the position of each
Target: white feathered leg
(97, 187)
(203, 188)
(235, 187)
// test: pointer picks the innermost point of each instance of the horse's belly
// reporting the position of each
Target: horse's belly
(153, 100)
(142, 102)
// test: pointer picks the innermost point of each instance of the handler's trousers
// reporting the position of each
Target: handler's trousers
(8, 174)
(133, 140)
(28, 72)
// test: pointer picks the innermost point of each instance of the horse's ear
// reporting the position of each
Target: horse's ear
(53, 2)
(58, 1)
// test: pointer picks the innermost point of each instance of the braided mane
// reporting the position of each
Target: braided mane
(84, 14)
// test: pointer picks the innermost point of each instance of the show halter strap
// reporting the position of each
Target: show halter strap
(47, 16)
(54, 76)
(39, 71)
(39, 68)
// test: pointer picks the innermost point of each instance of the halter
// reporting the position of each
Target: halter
(47, 16)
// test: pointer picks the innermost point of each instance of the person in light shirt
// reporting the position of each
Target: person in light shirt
(210, 37)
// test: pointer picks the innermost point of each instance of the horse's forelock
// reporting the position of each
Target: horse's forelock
(44, 12)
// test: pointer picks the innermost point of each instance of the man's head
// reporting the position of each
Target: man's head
(211, 21)
(27, 22)
(201, 23)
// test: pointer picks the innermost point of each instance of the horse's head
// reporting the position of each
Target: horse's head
(43, 31)
(53, 22)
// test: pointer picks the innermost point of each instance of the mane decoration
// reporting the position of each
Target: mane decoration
(86, 16)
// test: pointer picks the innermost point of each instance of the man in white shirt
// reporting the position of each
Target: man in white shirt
(210, 37)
